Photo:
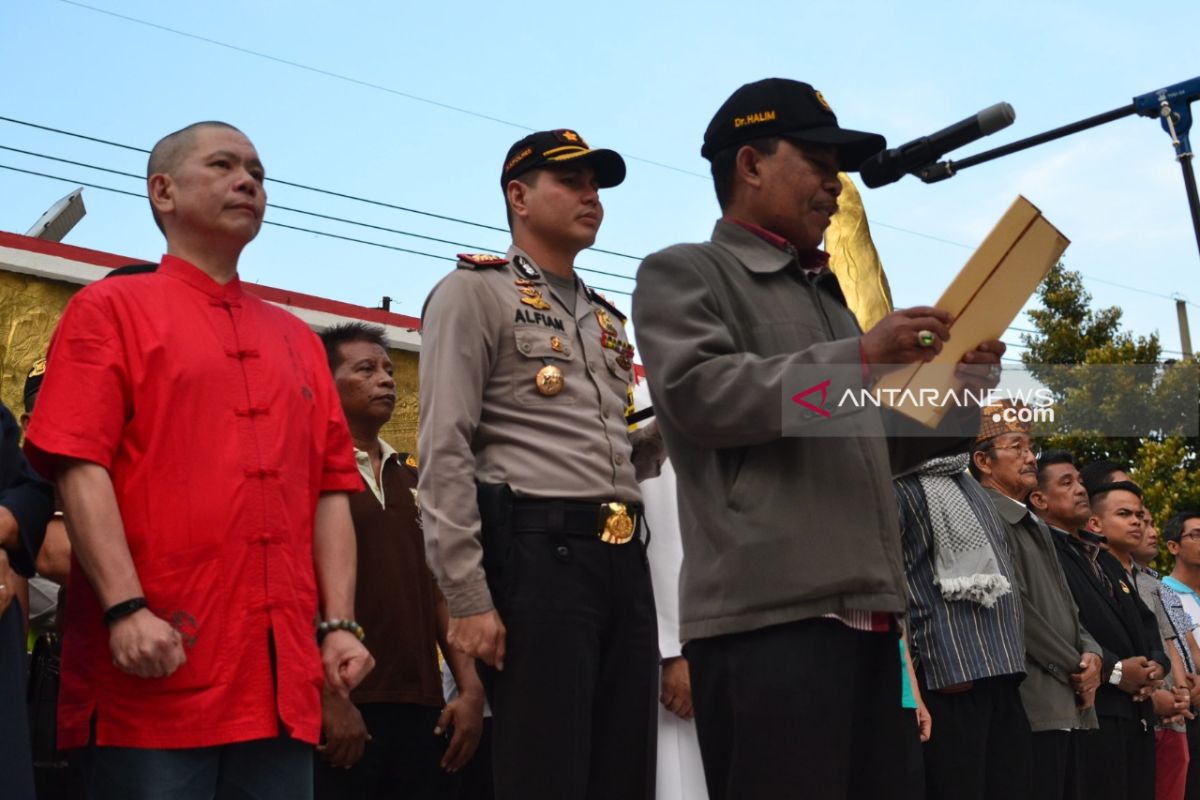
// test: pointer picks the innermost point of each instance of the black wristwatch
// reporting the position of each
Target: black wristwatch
(124, 609)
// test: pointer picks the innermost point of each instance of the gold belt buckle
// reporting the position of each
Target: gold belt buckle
(618, 525)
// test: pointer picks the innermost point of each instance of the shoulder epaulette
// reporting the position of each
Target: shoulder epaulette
(477, 260)
(596, 297)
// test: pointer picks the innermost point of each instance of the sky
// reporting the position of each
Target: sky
(415, 104)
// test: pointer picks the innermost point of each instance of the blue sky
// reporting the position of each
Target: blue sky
(643, 78)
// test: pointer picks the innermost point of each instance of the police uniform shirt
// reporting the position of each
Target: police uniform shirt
(488, 329)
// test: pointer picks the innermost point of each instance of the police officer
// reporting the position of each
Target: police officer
(529, 498)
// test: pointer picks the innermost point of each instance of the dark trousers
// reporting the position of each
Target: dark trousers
(1193, 776)
(981, 746)
(806, 709)
(474, 781)
(400, 761)
(263, 769)
(1119, 759)
(575, 708)
(1051, 767)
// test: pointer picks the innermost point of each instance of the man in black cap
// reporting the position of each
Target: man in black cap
(525, 377)
(792, 568)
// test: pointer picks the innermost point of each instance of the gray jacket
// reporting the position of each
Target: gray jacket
(775, 528)
(1054, 639)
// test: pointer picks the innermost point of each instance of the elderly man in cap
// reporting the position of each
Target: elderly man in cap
(529, 494)
(1062, 661)
(204, 465)
(966, 628)
(790, 537)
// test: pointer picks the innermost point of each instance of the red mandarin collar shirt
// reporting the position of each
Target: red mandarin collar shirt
(216, 416)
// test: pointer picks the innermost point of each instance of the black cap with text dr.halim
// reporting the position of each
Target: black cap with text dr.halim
(793, 110)
(559, 148)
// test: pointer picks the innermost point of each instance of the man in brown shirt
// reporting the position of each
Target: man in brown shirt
(392, 731)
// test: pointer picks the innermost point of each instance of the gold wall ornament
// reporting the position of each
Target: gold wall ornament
(854, 259)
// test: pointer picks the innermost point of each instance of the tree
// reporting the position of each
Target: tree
(1070, 334)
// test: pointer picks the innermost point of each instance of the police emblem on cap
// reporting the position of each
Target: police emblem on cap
(525, 268)
(821, 99)
(570, 137)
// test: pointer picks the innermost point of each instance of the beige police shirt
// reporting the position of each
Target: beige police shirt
(487, 330)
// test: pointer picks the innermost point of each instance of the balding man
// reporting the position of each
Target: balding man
(204, 462)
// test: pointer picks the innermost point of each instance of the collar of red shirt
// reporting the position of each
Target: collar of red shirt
(809, 260)
(196, 278)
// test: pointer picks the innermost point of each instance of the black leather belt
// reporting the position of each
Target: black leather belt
(613, 522)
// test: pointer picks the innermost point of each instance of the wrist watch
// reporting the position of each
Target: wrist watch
(1115, 677)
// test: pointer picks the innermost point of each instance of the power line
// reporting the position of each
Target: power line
(292, 184)
(357, 81)
(305, 212)
(297, 228)
(445, 217)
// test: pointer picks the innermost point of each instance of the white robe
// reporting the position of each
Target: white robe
(680, 771)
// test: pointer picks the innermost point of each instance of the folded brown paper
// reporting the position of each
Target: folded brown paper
(985, 298)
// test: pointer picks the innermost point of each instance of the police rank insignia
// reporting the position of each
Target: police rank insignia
(556, 344)
(481, 260)
(605, 321)
(549, 380)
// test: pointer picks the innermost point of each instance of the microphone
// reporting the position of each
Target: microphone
(889, 166)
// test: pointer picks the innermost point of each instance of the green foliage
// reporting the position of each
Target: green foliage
(1070, 331)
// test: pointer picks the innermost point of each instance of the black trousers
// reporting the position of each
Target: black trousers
(981, 746)
(474, 781)
(806, 709)
(400, 761)
(575, 708)
(1193, 777)
(1119, 759)
(1057, 766)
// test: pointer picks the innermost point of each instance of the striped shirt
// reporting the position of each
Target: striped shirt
(957, 641)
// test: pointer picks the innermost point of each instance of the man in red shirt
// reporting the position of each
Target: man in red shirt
(204, 465)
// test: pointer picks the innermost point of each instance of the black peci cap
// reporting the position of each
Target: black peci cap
(793, 110)
(559, 147)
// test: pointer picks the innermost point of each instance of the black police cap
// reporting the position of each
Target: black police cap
(793, 110)
(558, 148)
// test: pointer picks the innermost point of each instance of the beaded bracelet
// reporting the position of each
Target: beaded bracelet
(331, 625)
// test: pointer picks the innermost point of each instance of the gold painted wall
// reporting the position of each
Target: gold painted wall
(30, 308)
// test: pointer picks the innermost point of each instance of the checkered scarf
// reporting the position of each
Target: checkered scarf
(965, 566)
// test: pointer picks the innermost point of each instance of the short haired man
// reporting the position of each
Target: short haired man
(386, 734)
(26, 502)
(791, 552)
(1172, 703)
(204, 463)
(1119, 757)
(529, 492)
(1062, 661)
(1098, 473)
(1182, 537)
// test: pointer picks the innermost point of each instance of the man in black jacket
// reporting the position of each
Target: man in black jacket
(1120, 756)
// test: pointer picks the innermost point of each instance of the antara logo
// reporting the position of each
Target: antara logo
(823, 388)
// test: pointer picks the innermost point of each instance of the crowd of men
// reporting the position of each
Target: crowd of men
(263, 599)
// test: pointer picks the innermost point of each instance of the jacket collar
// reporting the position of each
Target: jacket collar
(196, 278)
(761, 257)
(1009, 509)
